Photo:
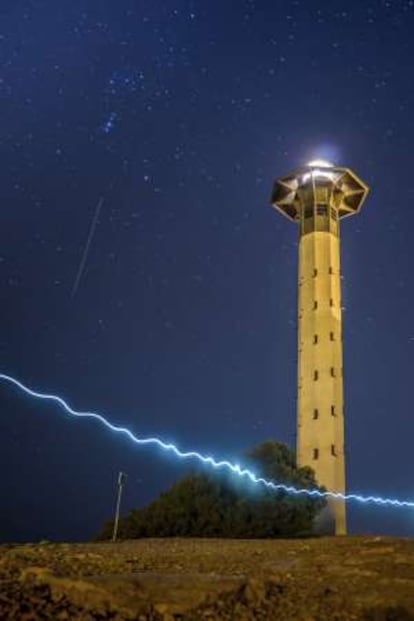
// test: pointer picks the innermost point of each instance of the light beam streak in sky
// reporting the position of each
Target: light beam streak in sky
(87, 246)
(206, 459)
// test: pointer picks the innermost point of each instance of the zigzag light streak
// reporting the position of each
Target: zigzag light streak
(187, 455)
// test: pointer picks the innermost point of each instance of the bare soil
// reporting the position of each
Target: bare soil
(326, 579)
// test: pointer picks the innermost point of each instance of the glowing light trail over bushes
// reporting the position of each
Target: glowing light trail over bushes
(204, 459)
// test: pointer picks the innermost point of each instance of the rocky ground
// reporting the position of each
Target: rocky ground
(327, 579)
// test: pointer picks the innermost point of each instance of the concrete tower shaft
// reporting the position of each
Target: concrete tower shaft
(317, 197)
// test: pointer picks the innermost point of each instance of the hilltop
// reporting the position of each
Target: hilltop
(327, 579)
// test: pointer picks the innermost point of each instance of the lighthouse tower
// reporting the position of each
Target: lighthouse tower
(317, 197)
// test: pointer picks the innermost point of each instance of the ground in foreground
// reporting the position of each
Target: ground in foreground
(328, 579)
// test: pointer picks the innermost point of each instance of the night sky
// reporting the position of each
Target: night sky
(167, 122)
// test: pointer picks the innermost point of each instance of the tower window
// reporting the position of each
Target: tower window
(332, 372)
(315, 375)
(331, 270)
(315, 453)
(331, 302)
(332, 336)
(315, 339)
(315, 413)
(333, 412)
(315, 272)
(333, 450)
(321, 210)
(315, 304)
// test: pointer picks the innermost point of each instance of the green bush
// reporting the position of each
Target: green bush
(221, 504)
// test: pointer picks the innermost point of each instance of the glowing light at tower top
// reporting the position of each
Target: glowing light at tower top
(319, 163)
(319, 168)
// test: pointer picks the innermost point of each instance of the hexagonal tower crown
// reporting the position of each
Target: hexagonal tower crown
(317, 196)
(318, 184)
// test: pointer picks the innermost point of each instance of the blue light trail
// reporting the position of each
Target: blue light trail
(205, 459)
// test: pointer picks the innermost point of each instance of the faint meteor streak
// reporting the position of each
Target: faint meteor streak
(206, 459)
(91, 234)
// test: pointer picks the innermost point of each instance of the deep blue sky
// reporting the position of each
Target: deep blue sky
(180, 114)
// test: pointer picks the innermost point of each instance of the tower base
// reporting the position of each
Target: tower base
(331, 520)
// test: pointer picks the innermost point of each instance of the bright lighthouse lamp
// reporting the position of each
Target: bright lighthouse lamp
(320, 164)
(318, 168)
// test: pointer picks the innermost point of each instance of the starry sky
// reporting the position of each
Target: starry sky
(143, 273)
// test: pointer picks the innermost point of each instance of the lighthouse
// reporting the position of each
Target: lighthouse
(317, 197)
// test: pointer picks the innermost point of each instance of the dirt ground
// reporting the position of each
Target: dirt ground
(327, 579)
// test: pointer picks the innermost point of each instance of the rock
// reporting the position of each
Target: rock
(254, 591)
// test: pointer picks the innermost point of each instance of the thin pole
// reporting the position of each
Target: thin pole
(121, 481)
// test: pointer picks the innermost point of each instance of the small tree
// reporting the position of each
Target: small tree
(221, 504)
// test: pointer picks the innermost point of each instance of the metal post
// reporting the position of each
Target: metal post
(121, 482)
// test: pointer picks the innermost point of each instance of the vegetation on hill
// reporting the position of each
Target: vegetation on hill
(219, 504)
